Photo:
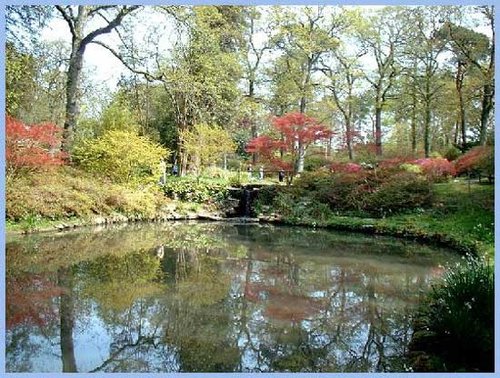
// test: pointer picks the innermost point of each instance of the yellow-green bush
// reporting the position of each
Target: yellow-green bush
(67, 192)
(123, 156)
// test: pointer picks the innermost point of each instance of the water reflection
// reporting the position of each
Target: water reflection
(212, 297)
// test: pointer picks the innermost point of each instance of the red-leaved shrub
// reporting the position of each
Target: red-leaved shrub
(479, 159)
(345, 167)
(436, 169)
(31, 147)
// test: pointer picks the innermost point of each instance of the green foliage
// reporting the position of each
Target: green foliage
(452, 153)
(117, 116)
(315, 162)
(193, 190)
(122, 156)
(35, 83)
(461, 315)
(366, 192)
(413, 168)
(30, 222)
(401, 192)
(266, 195)
(19, 74)
(206, 144)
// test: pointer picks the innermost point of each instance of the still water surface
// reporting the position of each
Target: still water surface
(208, 297)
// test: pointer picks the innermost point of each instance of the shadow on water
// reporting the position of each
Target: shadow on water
(211, 297)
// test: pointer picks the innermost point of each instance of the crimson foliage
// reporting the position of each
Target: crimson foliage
(291, 133)
(31, 146)
(479, 159)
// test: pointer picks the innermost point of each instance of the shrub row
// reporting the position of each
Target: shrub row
(363, 193)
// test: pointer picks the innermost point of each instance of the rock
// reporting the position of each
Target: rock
(98, 220)
(210, 216)
(117, 218)
(243, 220)
(191, 215)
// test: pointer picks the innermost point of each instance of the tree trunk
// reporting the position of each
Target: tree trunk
(348, 132)
(255, 155)
(378, 130)
(488, 88)
(72, 100)
(413, 124)
(459, 81)
(77, 24)
(301, 150)
(299, 166)
(427, 125)
(253, 124)
(487, 106)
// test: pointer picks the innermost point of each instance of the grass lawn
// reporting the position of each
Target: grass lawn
(463, 212)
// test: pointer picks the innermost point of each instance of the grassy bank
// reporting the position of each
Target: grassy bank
(461, 217)
(64, 194)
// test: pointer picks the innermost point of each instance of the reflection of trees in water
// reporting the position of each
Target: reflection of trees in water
(67, 320)
(113, 284)
(220, 305)
(195, 321)
(135, 334)
(353, 324)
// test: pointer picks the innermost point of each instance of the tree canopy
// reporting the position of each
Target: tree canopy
(417, 80)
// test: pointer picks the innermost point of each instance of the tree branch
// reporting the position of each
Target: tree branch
(68, 18)
(147, 75)
(108, 28)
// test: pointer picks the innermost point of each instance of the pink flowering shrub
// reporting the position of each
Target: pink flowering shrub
(436, 169)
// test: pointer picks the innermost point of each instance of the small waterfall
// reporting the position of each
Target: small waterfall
(246, 196)
(245, 202)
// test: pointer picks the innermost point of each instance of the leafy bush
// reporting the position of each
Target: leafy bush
(31, 147)
(461, 315)
(436, 169)
(375, 193)
(413, 168)
(314, 162)
(399, 193)
(452, 153)
(479, 159)
(206, 144)
(345, 167)
(122, 156)
(192, 190)
(266, 195)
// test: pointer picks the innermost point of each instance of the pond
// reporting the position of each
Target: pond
(213, 297)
